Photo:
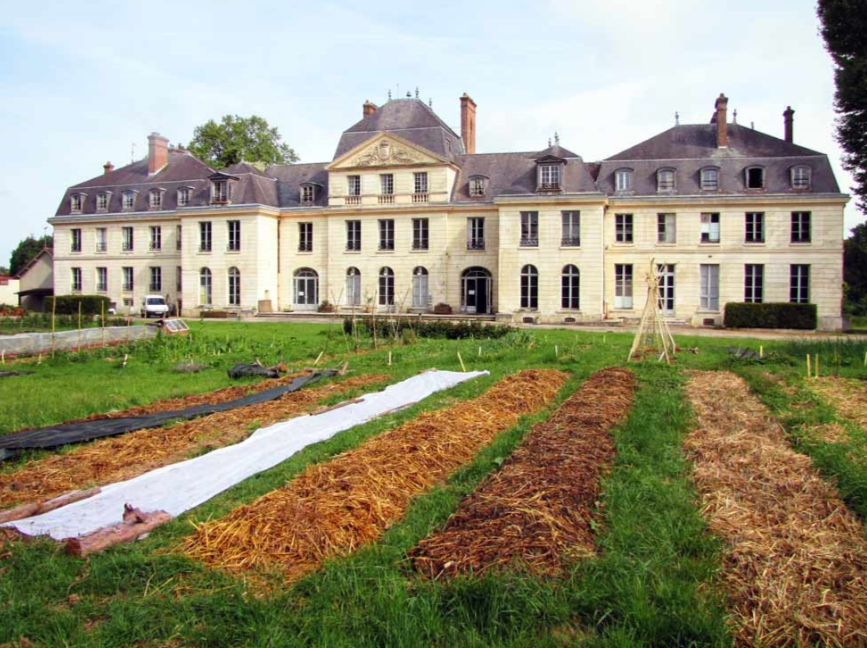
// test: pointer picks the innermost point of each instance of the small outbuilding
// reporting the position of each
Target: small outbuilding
(36, 281)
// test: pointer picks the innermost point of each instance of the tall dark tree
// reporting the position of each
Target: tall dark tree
(855, 270)
(236, 139)
(26, 251)
(844, 27)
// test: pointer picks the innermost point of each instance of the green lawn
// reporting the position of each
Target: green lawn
(652, 584)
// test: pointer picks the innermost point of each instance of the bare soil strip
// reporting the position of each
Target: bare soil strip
(118, 458)
(334, 507)
(538, 508)
(847, 395)
(796, 557)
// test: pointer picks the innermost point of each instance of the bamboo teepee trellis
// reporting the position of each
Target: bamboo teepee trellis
(653, 334)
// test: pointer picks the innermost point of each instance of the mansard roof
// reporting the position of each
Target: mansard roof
(290, 177)
(411, 119)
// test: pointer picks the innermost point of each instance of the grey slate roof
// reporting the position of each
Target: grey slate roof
(290, 177)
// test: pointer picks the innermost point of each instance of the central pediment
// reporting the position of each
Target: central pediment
(385, 151)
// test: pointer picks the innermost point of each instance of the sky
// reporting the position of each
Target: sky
(82, 83)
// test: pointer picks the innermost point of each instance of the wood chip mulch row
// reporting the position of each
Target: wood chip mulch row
(118, 458)
(334, 507)
(796, 558)
(537, 510)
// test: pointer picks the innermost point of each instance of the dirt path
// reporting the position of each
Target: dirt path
(795, 556)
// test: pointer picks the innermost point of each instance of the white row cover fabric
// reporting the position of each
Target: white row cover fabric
(182, 486)
(33, 343)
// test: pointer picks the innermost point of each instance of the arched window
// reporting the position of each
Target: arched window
(306, 289)
(419, 287)
(353, 287)
(234, 286)
(206, 292)
(476, 290)
(570, 288)
(665, 180)
(623, 180)
(386, 287)
(529, 287)
(801, 177)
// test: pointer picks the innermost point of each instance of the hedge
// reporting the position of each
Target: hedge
(428, 329)
(772, 315)
(68, 304)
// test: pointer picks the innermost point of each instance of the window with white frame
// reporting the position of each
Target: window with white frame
(420, 287)
(477, 187)
(623, 286)
(710, 179)
(801, 227)
(754, 224)
(102, 201)
(570, 232)
(76, 279)
(234, 244)
(476, 233)
(420, 182)
(76, 203)
(354, 185)
(205, 236)
(75, 240)
(623, 180)
(128, 279)
(666, 229)
(184, 194)
(710, 230)
(755, 177)
(353, 287)
(386, 287)
(754, 283)
(386, 234)
(156, 237)
(156, 198)
(234, 287)
(128, 200)
(709, 290)
(220, 191)
(127, 239)
(623, 228)
(529, 287)
(549, 176)
(353, 235)
(101, 239)
(156, 284)
(102, 280)
(799, 284)
(305, 237)
(420, 233)
(206, 287)
(570, 288)
(308, 194)
(801, 177)
(386, 184)
(665, 180)
(530, 229)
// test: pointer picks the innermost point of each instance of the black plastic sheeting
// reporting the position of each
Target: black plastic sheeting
(251, 370)
(67, 433)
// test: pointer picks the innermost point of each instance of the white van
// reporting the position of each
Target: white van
(154, 305)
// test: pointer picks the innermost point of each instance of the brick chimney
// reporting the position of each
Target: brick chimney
(108, 167)
(158, 152)
(368, 108)
(468, 123)
(722, 134)
(789, 122)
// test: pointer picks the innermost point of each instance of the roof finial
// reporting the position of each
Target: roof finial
(430, 102)
(735, 116)
(416, 92)
(549, 142)
(389, 94)
(132, 153)
(408, 94)
(676, 118)
(753, 125)
(556, 138)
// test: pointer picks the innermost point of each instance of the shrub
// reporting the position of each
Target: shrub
(428, 329)
(68, 304)
(771, 315)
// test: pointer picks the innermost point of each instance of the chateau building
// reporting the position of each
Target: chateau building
(407, 216)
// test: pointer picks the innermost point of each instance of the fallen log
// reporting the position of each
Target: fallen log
(135, 524)
(38, 508)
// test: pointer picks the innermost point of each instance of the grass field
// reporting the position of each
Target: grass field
(654, 580)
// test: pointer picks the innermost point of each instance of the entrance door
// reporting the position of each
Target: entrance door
(666, 288)
(306, 290)
(476, 289)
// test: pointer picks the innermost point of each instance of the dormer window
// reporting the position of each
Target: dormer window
(308, 194)
(710, 179)
(220, 191)
(801, 177)
(76, 203)
(755, 177)
(478, 186)
(102, 199)
(184, 194)
(665, 180)
(128, 200)
(155, 200)
(549, 177)
(623, 180)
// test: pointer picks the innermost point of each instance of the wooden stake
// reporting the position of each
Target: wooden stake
(125, 358)
(556, 351)
(53, 308)
(817, 365)
(461, 360)
(865, 358)
(865, 355)
(809, 370)
(389, 358)
(761, 351)
(79, 327)
(102, 321)
(318, 358)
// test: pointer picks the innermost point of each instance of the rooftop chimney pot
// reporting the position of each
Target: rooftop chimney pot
(789, 122)
(158, 152)
(108, 167)
(368, 108)
(468, 123)
(722, 135)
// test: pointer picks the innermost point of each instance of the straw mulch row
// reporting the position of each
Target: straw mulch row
(796, 557)
(332, 508)
(537, 510)
(118, 458)
(846, 395)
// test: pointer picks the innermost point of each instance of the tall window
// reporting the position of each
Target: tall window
(102, 280)
(354, 185)
(76, 203)
(709, 295)
(156, 284)
(101, 239)
(205, 238)
(156, 237)
(128, 200)
(386, 234)
(755, 227)
(570, 288)
(234, 235)
(353, 235)
(179, 280)
(386, 183)
(623, 180)
(308, 194)
(420, 184)
(156, 198)
(353, 287)
(305, 237)
(128, 280)
(570, 235)
(530, 229)
(420, 234)
(419, 287)
(623, 228)
(799, 284)
(386, 287)
(234, 287)
(206, 292)
(550, 176)
(754, 283)
(666, 228)
(128, 242)
(476, 233)
(184, 196)
(220, 191)
(76, 279)
(801, 177)
(755, 178)
(102, 201)
(665, 180)
(800, 227)
(529, 287)
(179, 230)
(710, 179)
(477, 187)
(75, 244)
(623, 286)
(710, 228)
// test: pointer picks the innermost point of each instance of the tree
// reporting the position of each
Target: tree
(844, 28)
(855, 270)
(27, 251)
(236, 139)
